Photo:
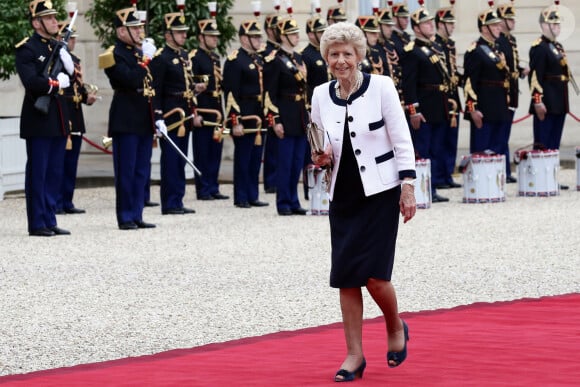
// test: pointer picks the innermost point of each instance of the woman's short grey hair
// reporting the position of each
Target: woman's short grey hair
(343, 32)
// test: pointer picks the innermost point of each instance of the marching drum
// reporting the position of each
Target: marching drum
(538, 172)
(483, 178)
(577, 169)
(317, 192)
(423, 185)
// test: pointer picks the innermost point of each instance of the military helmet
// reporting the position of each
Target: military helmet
(550, 15)
(208, 27)
(487, 18)
(63, 26)
(127, 17)
(336, 14)
(40, 8)
(420, 16)
(400, 10)
(385, 16)
(287, 26)
(367, 23)
(250, 28)
(445, 15)
(316, 24)
(175, 21)
(506, 11)
(271, 21)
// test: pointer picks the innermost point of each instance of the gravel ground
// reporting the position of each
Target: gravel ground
(226, 273)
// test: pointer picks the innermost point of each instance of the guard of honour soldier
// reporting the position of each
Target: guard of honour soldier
(167, 92)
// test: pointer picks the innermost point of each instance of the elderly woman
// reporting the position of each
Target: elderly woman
(370, 150)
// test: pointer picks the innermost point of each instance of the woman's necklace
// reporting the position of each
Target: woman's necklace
(354, 88)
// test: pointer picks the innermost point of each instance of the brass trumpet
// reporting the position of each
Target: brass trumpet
(219, 133)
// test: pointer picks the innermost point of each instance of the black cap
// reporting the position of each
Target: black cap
(40, 8)
(175, 21)
(419, 16)
(250, 28)
(287, 26)
(63, 26)
(208, 27)
(445, 15)
(336, 13)
(487, 17)
(367, 23)
(316, 24)
(271, 21)
(385, 16)
(506, 11)
(127, 17)
(400, 10)
(550, 15)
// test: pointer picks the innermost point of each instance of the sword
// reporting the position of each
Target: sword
(183, 156)
(573, 82)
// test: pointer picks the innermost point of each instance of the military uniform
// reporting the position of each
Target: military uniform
(45, 134)
(549, 77)
(400, 38)
(243, 87)
(76, 95)
(487, 90)
(174, 89)
(508, 46)
(393, 65)
(271, 145)
(375, 61)
(450, 138)
(206, 151)
(425, 87)
(285, 103)
(130, 123)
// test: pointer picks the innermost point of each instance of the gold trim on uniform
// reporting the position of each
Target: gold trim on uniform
(107, 59)
(232, 104)
(535, 86)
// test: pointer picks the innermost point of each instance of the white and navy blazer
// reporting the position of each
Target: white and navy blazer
(380, 137)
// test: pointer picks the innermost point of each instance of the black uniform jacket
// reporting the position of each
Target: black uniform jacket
(131, 110)
(208, 63)
(75, 95)
(31, 58)
(549, 75)
(448, 46)
(423, 82)
(316, 68)
(243, 86)
(508, 45)
(173, 83)
(486, 82)
(285, 91)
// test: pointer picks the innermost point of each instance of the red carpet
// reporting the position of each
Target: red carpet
(531, 342)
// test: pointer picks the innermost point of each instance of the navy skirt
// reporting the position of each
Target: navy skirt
(363, 229)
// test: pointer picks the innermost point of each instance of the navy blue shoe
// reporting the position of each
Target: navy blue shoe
(399, 357)
(343, 375)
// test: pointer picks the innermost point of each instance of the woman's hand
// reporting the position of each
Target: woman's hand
(407, 202)
(323, 159)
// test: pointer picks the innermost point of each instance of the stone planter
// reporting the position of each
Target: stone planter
(12, 156)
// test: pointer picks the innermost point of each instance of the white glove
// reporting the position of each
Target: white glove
(161, 128)
(63, 80)
(148, 48)
(67, 61)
